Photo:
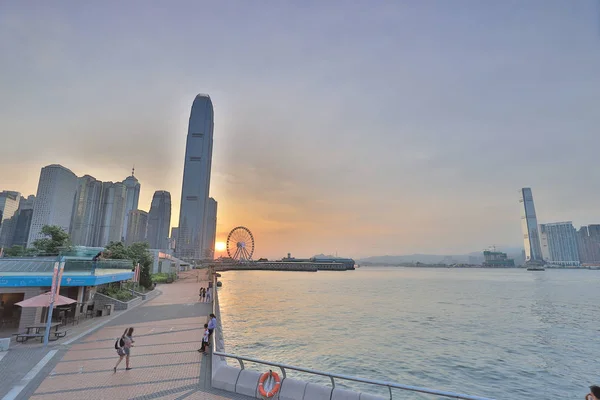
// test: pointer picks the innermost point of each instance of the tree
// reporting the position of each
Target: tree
(140, 253)
(15, 251)
(117, 251)
(57, 239)
(137, 253)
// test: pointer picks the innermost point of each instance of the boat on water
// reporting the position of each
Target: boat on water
(536, 269)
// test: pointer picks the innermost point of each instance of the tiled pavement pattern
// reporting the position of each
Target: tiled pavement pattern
(166, 365)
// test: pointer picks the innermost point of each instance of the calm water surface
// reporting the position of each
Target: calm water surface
(506, 334)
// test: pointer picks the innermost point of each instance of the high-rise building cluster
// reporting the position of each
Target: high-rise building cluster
(95, 213)
(557, 243)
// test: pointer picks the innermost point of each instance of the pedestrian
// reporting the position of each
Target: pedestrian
(594, 393)
(200, 294)
(208, 295)
(212, 324)
(205, 337)
(203, 294)
(124, 350)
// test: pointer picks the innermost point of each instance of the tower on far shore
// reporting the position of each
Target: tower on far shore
(529, 226)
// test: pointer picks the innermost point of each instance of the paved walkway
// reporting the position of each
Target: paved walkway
(166, 365)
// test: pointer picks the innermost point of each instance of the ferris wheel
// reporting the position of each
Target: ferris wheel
(240, 244)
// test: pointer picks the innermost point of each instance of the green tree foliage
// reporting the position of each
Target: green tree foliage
(56, 240)
(117, 251)
(137, 253)
(15, 251)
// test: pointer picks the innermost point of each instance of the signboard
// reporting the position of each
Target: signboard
(56, 278)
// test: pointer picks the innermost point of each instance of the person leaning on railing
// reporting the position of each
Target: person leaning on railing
(594, 393)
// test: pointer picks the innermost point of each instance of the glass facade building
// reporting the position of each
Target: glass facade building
(529, 226)
(196, 180)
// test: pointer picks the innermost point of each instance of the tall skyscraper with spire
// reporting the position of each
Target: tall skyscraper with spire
(529, 226)
(132, 198)
(196, 179)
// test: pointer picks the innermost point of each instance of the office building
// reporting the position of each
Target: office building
(24, 215)
(529, 226)
(159, 220)
(112, 213)
(137, 226)
(210, 231)
(588, 242)
(132, 188)
(53, 201)
(85, 223)
(196, 179)
(559, 243)
(174, 234)
(9, 205)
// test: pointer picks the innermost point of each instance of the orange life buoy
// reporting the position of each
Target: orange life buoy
(274, 390)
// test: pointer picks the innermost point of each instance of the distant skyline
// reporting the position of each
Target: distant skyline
(362, 129)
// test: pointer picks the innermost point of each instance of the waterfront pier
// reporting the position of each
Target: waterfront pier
(165, 361)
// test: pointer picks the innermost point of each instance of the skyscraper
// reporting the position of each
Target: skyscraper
(24, 215)
(87, 212)
(210, 231)
(529, 225)
(112, 213)
(559, 243)
(132, 187)
(54, 200)
(196, 179)
(137, 226)
(9, 205)
(159, 220)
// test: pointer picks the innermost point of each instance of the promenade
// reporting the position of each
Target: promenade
(164, 360)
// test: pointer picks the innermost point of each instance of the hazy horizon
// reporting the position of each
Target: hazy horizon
(364, 130)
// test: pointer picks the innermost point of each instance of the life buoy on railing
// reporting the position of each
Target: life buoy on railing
(266, 392)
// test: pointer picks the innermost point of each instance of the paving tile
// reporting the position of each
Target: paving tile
(166, 365)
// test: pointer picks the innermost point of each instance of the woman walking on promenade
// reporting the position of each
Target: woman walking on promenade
(125, 350)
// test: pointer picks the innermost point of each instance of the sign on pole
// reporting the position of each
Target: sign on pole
(136, 275)
(56, 278)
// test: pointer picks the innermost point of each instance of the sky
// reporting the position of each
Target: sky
(359, 128)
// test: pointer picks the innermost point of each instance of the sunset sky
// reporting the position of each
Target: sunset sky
(357, 127)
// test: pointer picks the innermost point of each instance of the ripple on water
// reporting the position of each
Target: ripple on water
(503, 334)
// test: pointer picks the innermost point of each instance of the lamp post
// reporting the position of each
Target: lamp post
(59, 267)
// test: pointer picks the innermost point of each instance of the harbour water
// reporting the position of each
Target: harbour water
(505, 334)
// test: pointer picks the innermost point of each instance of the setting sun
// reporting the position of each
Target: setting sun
(220, 246)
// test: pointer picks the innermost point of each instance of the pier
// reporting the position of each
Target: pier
(281, 266)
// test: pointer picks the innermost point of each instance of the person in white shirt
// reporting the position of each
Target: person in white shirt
(205, 337)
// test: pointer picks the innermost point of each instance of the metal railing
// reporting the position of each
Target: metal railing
(331, 376)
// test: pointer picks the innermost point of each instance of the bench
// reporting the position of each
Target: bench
(23, 337)
(59, 334)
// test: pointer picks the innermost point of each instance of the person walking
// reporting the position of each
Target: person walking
(203, 294)
(205, 337)
(208, 294)
(125, 350)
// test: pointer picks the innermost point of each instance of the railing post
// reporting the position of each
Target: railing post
(241, 363)
(332, 381)
(390, 389)
(283, 372)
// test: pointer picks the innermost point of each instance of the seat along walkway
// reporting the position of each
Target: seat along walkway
(165, 361)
